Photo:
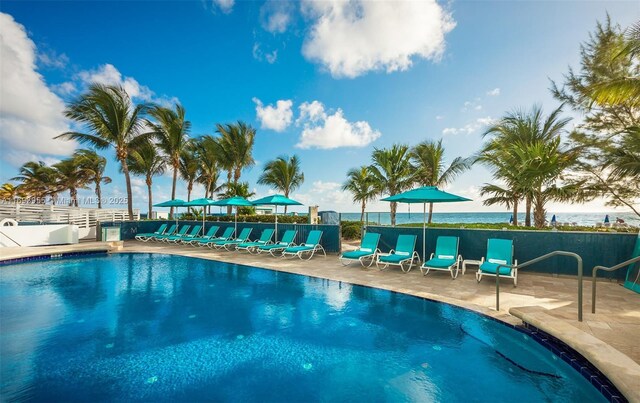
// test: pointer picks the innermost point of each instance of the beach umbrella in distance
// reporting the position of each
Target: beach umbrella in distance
(276, 200)
(172, 203)
(203, 202)
(424, 195)
(553, 221)
(236, 201)
(606, 219)
(511, 219)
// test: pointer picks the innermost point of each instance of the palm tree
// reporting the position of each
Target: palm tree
(71, 176)
(527, 156)
(171, 130)
(283, 174)
(145, 160)
(361, 183)
(39, 181)
(112, 121)
(428, 162)
(235, 149)
(392, 172)
(189, 165)
(9, 191)
(94, 166)
(236, 143)
(519, 129)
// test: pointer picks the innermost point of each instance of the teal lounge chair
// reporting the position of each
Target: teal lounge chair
(144, 237)
(181, 238)
(209, 235)
(405, 252)
(499, 252)
(226, 235)
(367, 251)
(265, 239)
(310, 247)
(445, 258)
(172, 230)
(286, 241)
(182, 232)
(231, 243)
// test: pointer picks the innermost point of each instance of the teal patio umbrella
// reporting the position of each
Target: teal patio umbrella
(276, 200)
(203, 202)
(172, 203)
(424, 195)
(236, 201)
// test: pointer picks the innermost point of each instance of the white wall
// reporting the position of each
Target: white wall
(37, 235)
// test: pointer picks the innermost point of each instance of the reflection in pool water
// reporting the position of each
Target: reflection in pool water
(167, 328)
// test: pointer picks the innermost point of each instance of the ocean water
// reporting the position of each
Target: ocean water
(154, 328)
(586, 219)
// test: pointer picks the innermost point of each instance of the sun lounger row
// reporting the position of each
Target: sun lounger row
(499, 256)
(264, 244)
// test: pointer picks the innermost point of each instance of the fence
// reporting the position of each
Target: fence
(595, 248)
(85, 218)
(330, 241)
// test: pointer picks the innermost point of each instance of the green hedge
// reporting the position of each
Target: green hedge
(266, 218)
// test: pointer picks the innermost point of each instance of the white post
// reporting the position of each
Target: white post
(424, 230)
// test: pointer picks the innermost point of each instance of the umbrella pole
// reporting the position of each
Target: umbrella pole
(276, 231)
(235, 228)
(204, 213)
(424, 230)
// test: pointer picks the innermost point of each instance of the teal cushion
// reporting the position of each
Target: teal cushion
(492, 268)
(394, 258)
(440, 263)
(296, 249)
(356, 254)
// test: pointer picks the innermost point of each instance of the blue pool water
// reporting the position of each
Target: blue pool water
(169, 328)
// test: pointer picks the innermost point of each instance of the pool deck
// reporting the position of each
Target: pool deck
(608, 339)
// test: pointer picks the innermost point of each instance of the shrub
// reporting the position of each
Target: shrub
(351, 229)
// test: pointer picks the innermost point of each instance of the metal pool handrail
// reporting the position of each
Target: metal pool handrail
(536, 260)
(593, 277)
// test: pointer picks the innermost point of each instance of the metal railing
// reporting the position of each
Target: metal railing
(54, 214)
(536, 260)
(595, 271)
(9, 238)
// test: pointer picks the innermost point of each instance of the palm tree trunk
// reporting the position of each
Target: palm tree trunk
(71, 197)
(149, 183)
(99, 193)
(539, 213)
(173, 188)
(430, 212)
(394, 207)
(527, 217)
(127, 179)
(515, 212)
(364, 205)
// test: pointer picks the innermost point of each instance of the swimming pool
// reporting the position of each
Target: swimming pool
(170, 328)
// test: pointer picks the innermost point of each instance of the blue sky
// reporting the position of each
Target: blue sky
(347, 79)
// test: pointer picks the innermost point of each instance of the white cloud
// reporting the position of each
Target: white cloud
(30, 113)
(472, 105)
(494, 92)
(276, 15)
(50, 58)
(276, 118)
(65, 88)
(470, 127)
(351, 38)
(326, 131)
(261, 55)
(108, 74)
(439, 117)
(226, 6)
